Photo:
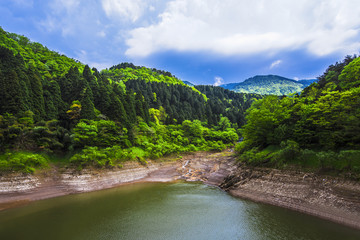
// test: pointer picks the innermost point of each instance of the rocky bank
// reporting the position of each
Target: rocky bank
(331, 198)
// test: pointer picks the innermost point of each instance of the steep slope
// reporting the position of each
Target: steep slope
(269, 84)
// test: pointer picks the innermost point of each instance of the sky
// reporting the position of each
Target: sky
(201, 41)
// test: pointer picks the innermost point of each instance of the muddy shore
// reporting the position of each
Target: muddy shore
(331, 198)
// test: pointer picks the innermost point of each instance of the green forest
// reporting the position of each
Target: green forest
(316, 129)
(56, 110)
(269, 85)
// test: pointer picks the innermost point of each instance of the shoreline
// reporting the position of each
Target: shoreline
(20, 189)
(330, 198)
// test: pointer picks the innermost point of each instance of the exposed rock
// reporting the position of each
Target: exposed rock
(327, 197)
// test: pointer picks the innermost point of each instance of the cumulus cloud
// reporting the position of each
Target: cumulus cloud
(218, 81)
(275, 64)
(238, 27)
(124, 9)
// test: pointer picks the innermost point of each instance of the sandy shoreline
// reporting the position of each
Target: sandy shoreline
(329, 198)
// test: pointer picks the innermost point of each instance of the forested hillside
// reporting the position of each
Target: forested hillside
(269, 85)
(320, 128)
(52, 105)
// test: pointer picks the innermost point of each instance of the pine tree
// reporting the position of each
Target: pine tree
(10, 95)
(11, 91)
(87, 106)
(38, 105)
(118, 112)
(130, 106)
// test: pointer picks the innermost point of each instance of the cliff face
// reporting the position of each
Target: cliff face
(327, 197)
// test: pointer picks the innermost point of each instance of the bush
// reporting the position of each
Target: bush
(329, 160)
(22, 162)
(92, 156)
(352, 159)
(255, 157)
(242, 146)
(309, 159)
(216, 145)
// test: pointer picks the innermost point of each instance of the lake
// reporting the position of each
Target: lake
(162, 211)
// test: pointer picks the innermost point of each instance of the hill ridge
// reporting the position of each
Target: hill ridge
(269, 84)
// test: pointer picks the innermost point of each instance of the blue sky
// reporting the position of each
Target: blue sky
(201, 41)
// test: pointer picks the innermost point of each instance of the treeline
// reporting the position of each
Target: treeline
(318, 128)
(51, 104)
(126, 65)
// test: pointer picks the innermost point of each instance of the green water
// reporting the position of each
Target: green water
(162, 211)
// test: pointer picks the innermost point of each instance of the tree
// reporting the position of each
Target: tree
(37, 94)
(87, 106)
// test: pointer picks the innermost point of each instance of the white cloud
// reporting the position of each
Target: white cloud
(275, 64)
(218, 81)
(296, 79)
(237, 27)
(124, 9)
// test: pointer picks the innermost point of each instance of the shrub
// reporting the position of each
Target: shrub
(352, 159)
(309, 159)
(242, 146)
(92, 156)
(22, 162)
(252, 156)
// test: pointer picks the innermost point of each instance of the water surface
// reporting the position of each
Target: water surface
(162, 211)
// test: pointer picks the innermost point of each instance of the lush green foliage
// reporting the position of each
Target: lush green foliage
(269, 85)
(291, 154)
(127, 71)
(151, 141)
(325, 119)
(56, 105)
(22, 161)
(48, 63)
(182, 103)
(223, 102)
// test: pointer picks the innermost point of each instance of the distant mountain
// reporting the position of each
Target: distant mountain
(269, 84)
(189, 83)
